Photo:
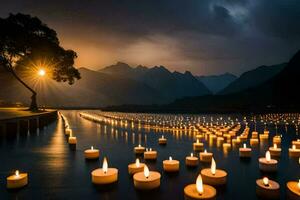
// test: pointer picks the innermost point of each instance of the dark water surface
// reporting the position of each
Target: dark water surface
(56, 172)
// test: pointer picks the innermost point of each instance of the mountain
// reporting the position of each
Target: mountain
(278, 94)
(253, 78)
(170, 85)
(216, 83)
(94, 89)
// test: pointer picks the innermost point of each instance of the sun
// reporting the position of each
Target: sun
(41, 72)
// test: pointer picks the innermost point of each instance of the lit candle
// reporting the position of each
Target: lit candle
(275, 151)
(104, 175)
(162, 140)
(171, 165)
(198, 146)
(205, 156)
(191, 161)
(72, 139)
(139, 149)
(293, 192)
(245, 152)
(18, 180)
(254, 141)
(266, 188)
(146, 180)
(150, 155)
(199, 191)
(294, 152)
(135, 167)
(214, 176)
(267, 164)
(91, 153)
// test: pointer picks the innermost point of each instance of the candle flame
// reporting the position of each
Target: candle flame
(213, 166)
(92, 147)
(17, 173)
(193, 155)
(137, 162)
(139, 145)
(146, 171)
(170, 158)
(150, 149)
(268, 156)
(275, 146)
(105, 165)
(197, 141)
(199, 184)
(162, 136)
(205, 151)
(266, 181)
(294, 147)
(245, 145)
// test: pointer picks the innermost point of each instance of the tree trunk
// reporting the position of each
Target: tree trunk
(33, 104)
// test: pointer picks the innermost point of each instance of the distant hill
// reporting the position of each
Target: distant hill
(216, 83)
(253, 78)
(94, 89)
(171, 85)
(277, 94)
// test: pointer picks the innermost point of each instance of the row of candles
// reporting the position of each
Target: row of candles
(145, 179)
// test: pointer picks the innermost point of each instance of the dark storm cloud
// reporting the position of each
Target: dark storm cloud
(204, 36)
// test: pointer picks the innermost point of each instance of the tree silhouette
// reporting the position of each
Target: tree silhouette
(25, 40)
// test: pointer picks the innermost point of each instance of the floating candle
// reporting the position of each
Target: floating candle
(171, 165)
(205, 156)
(198, 146)
(162, 140)
(275, 151)
(68, 131)
(199, 191)
(146, 180)
(91, 153)
(18, 180)
(267, 164)
(294, 152)
(139, 149)
(72, 139)
(191, 161)
(150, 155)
(214, 176)
(245, 152)
(135, 167)
(104, 175)
(266, 188)
(293, 188)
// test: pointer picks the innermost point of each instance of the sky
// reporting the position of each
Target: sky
(202, 36)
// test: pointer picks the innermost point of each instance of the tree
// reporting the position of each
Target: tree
(25, 40)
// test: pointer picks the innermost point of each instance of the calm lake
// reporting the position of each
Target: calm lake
(56, 172)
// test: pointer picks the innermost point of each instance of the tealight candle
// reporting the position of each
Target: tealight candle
(198, 146)
(72, 139)
(18, 180)
(245, 152)
(293, 188)
(146, 180)
(162, 140)
(214, 176)
(68, 131)
(267, 164)
(150, 155)
(139, 149)
(267, 188)
(205, 156)
(294, 152)
(191, 161)
(171, 165)
(254, 141)
(275, 151)
(135, 167)
(91, 153)
(104, 175)
(199, 191)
